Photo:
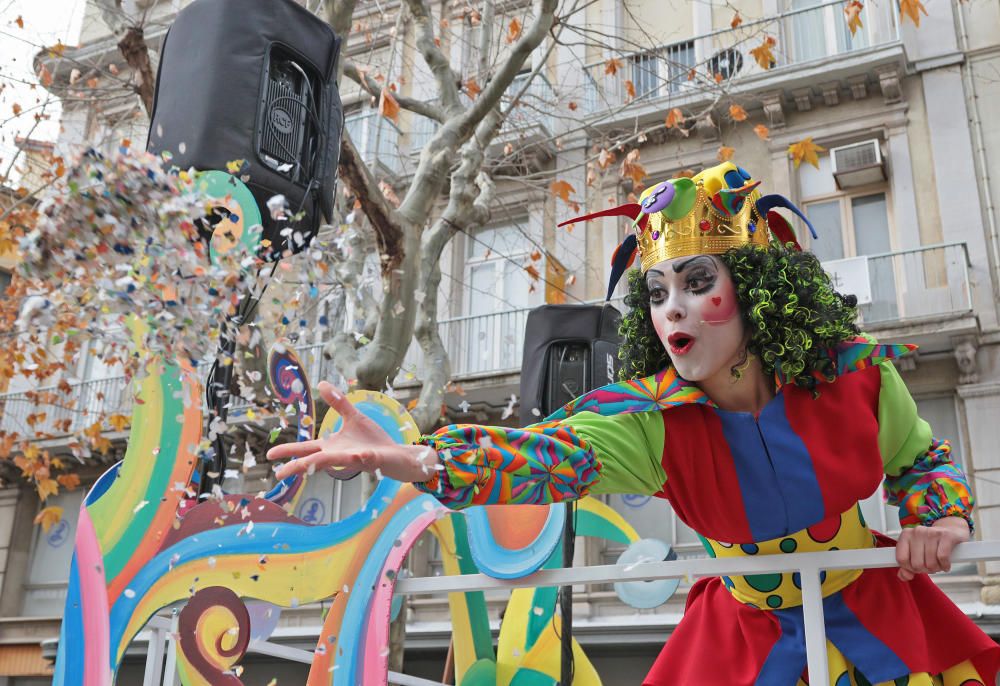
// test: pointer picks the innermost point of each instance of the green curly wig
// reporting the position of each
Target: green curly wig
(789, 307)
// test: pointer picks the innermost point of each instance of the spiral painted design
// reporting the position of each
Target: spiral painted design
(214, 629)
(291, 387)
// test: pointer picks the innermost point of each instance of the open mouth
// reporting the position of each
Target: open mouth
(680, 343)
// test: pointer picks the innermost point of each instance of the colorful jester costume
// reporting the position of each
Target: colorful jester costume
(787, 480)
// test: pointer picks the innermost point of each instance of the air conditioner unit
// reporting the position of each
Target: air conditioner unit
(858, 164)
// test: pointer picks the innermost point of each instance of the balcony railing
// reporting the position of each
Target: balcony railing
(924, 282)
(50, 411)
(377, 140)
(800, 36)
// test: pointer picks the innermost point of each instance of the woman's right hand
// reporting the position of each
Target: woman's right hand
(359, 446)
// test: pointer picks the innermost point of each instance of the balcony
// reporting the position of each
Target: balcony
(923, 292)
(49, 411)
(810, 43)
(377, 141)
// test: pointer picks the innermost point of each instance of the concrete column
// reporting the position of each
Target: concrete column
(957, 187)
(904, 203)
(980, 409)
(19, 554)
(8, 510)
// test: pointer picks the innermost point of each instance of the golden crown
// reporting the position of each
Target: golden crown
(704, 230)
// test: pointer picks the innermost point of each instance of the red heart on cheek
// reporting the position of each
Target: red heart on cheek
(716, 301)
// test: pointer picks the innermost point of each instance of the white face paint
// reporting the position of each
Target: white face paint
(696, 315)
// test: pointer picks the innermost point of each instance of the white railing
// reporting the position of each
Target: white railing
(923, 282)
(377, 140)
(808, 565)
(800, 36)
(55, 412)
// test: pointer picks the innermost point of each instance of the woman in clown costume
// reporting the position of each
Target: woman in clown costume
(753, 404)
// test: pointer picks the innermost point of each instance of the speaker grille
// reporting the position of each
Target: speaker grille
(284, 116)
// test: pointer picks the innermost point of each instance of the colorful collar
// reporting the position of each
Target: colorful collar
(666, 389)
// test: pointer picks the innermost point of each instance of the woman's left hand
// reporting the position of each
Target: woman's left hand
(927, 549)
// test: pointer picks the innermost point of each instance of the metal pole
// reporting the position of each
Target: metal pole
(566, 598)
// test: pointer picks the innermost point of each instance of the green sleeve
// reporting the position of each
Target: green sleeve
(903, 437)
(629, 447)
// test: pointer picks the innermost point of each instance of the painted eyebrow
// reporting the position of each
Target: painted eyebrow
(681, 266)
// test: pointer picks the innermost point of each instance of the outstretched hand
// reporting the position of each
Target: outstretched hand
(359, 446)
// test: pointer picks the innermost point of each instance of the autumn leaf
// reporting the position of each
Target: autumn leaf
(912, 9)
(805, 151)
(852, 11)
(674, 117)
(536, 255)
(16, 108)
(612, 66)
(562, 190)
(692, 72)
(737, 113)
(572, 106)
(19, 21)
(631, 169)
(412, 404)
(513, 30)
(119, 421)
(629, 91)
(717, 76)
(92, 82)
(762, 132)
(726, 153)
(45, 76)
(472, 88)
(737, 20)
(605, 158)
(46, 487)
(388, 107)
(48, 517)
(57, 50)
(532, 272)
(68, 481)
(762, 53)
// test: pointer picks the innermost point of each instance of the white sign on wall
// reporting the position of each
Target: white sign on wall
(851, 277)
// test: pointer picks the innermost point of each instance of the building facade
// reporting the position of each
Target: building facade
(904, 199)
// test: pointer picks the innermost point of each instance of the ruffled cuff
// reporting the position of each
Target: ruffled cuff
(538, 465)
(934, 487)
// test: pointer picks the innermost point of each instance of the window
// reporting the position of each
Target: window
(499, 293)
(51, 554)
(662, 71)
(821, 31)
(851, 224)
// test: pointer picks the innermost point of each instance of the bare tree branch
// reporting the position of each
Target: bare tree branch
(136, 53)
(447, 79)
(372, 86)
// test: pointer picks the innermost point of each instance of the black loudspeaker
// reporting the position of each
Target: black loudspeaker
(254, 80)
(568, 350)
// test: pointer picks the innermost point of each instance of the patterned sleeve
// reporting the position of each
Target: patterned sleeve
(932, 488)
(920, 475)
(485, 465)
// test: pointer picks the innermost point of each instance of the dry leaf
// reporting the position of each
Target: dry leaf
(513, 30)
(562, 190)
(612, 66)
(119, 421)
(674, 117)
(45, 76)
(631, 169)
(762, 53)
(68, 481)
(912, 9)
(805, 151)
(389, 193)
(16, 108)
(605, 158)
(113, 68)
(57, 50)
(412, 404)
(717, 76)
(47, 487)
(388, 107)
(737, 113)
(19, 21)
(692, 72)
(726, 153)
(74, 76)
(532, 272)
(762, 132)
(92, 82)
(572, 106)
(737, 20)
(472, 88)
(508, 148)
(48, 517)
(852, 11)
(629, 91)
